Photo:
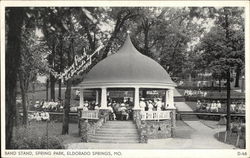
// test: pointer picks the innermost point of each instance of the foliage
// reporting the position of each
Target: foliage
(30, 137)
(223, 47)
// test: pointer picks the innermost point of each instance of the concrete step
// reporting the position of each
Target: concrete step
(118, 127)
(113, 141)
(116, 132)
(104, 129)
(114, 137)
(119, 123)
(100, 133)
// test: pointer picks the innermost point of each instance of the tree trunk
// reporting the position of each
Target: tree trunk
(60, 69)
(59, 89)
(13, 55)
(106, 50)
(228, 101)
(146, 47)
(237, 77)
(34, 94)
(219, 85)
(47, 89)
(24, 98)
(52, 87)
(52, 78)
(66, 110)
(65, 128)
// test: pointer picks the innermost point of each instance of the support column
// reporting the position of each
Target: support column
(81, 98)
(167, 99)
(171, 99)
(137, 101)
(96, 97)
(104, 98)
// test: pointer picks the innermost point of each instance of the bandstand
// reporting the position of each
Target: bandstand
(127, 68)
(131, 70)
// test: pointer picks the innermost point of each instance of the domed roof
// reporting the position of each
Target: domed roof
(127, 66)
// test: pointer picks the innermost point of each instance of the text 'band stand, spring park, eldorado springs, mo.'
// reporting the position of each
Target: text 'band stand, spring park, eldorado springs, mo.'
(130, 71)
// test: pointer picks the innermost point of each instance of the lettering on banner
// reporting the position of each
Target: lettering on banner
(81, 63)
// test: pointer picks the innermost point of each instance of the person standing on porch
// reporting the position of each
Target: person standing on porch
(158, 104)
(142, 104)
(150, 106)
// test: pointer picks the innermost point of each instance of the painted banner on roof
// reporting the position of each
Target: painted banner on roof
(81, 63)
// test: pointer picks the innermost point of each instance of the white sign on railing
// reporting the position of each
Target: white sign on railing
(90, 114)
(155, 115)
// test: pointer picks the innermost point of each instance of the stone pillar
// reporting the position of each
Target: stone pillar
(81, 98)
(96, 97)
(172, 108)
(104, 98)
(136, 101)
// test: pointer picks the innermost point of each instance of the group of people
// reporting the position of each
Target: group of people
(208, 107)
(39, 116)
(149, 105)
(216, 106)
(195, 93)
(120, 110)
(117, 110)
(238, 107)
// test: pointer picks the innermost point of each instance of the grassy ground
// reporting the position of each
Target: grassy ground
(231, 139)
(55, 129)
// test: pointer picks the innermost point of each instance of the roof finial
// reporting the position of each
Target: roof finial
(128, 32)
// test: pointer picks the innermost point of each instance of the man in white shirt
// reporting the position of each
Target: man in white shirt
(198, 105)
(96, 107)
(214, 107)
(142, 104)
(158, 104)
(218, 105)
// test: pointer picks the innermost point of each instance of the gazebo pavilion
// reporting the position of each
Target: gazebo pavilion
(127, 68)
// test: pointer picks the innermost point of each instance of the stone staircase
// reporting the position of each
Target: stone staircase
(116, 132)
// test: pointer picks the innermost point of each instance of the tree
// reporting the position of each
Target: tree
(220, 50)
(65, 127)
(14, 19)
(31, 64)
(120, 16)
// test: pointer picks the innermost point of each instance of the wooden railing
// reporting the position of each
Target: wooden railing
(155, 115)
(90, 114)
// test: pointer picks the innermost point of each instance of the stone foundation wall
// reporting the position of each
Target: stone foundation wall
(157, 130)
(142, 133)
(88, 127)
(154, 129)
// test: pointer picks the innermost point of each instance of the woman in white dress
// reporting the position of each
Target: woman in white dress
(150, 106)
